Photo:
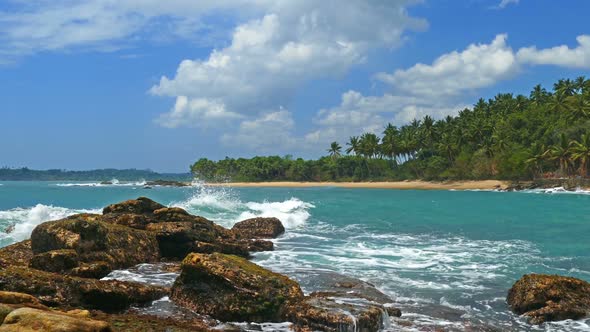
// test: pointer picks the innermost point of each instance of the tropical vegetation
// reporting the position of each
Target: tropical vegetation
(545, 134)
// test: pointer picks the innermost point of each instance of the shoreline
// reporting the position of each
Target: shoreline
(404, 185)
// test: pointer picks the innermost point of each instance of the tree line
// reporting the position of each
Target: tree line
(26, 174)
(545, 134)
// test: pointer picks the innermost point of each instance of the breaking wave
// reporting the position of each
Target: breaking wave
(224, 206)
(18, 223)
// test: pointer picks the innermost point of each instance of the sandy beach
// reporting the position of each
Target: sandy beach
(422, 185)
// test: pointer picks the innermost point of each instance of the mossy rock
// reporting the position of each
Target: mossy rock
(29, 319)
(94, 240)
(542, 297)
(57, 290)
(56, 260)
(19, 254)
(259, 228)
(231, 288)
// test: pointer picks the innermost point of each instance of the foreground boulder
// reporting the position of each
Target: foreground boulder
(84, 240)
(29, 319)
(230, 288)
(542, 298)
(56, 290)
(259, 228)
(343, 304)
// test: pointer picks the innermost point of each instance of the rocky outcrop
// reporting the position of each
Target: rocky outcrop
(29, 319)
(230, 288)
(543, 298)
(84, 239)
(318, 312)
(343, 304)
(57, 290)
(178, 233)
(18, 254)
(259, 228)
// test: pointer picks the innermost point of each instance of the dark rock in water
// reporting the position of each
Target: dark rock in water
(259, 228)
(19, 254)
(319, 312)
(106, 183)
(167, 183)
(230, 288)
(64, 291)
(258, 245)
(542, 298)
(344, 303)
(178, 233)
(134, 206)
(64, 244)
(29, 319)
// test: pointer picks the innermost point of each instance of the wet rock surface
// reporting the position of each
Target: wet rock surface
(259, 228)
(29, 319)
(57, 290)
(542, 298)
(231, 288)
(84, 238)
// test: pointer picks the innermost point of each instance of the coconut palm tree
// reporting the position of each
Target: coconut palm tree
(581, 152)
(560, 152)
(334, 150)
(369, 143)
(538, 154)
(389, 141)
(353, 145)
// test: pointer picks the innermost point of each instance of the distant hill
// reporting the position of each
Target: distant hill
(26, 174)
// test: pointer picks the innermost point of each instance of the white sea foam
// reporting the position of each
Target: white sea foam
(557, 190)
(21, 221)
(223, 205)
(111, 183)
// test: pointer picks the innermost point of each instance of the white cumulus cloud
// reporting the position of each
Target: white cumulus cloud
(564, 56)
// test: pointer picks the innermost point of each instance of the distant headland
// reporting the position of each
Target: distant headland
(26, 174)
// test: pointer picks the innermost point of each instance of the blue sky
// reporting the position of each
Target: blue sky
(136, 83)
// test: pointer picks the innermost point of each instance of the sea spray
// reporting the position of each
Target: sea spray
(223, 205)
(18, 223)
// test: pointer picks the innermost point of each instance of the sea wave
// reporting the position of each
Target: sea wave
(18, 223)
(111, 183)
(557, 190)
(224, 206)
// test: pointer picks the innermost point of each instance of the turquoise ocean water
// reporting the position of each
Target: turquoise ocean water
(448, 258)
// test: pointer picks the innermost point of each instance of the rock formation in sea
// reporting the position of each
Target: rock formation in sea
(53, 281)
(542, 298)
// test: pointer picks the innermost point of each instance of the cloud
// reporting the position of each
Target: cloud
(270, 133)
(440, 88)
(198, 112)
(454, 73)
(62, 25)
(504, 3)
(563, 56)
(295, 42)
